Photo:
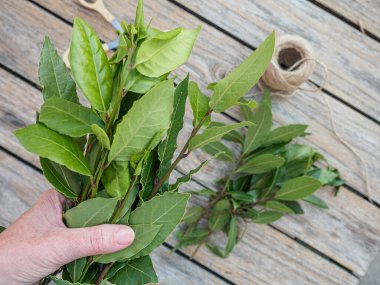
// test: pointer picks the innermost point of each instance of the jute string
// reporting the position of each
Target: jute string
(292, 65)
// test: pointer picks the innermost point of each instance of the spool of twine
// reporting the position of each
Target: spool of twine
(292, 65)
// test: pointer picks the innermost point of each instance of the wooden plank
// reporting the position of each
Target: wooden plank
(205, 66)
(17, 195)
(35, 12)
(20, 89)
(263, 257)
(352, 57)
(365, 14)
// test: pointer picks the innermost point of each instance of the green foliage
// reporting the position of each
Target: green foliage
(214, 133)
(166, 210)
(65, 181)
(144, 235)
(298, 188)
(53, 75)
(148, 115)
(199, 104)
(116, 179)
(216, 147)
(138, 272)
(68, 118)
(269, 179)
(75, 268)
(48, 144)
(165, 51)
(90, 213)
(261, 164)
(90, 67)
(167, 148)
(230, 89)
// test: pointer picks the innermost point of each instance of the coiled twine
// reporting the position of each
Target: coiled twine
(292, 64)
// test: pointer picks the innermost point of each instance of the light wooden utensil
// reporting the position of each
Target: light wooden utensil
(98, 6)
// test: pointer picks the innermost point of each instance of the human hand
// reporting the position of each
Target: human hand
(39, 243)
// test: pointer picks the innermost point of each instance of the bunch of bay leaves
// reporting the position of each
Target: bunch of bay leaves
(271, 176)
(113, 155)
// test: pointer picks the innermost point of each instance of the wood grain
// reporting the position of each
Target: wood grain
(205, 66)
(363, 13)
(351, 57)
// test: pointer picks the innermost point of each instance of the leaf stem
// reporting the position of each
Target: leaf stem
(90, 261)
(122, 204)
(104, 273)
(230, 176)
(183, 153)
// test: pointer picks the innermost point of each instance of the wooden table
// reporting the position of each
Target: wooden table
(320, 247)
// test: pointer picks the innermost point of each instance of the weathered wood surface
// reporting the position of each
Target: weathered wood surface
(351, 57)
(365, 14)
(20, 54)
(205, 66)
(265, 256)
(17, 195)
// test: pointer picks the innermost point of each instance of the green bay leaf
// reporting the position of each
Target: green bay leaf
(68, 118)
(64, 181)
(166, 210)
(261, 164)
(266, 217)
(90, 213)
(144, 235)
(214, 133)
(285, 133)
(278, 206)
(137, 272)
(298, 188)
(257, 134)
(228, 90)
(89, 66)
(148, 174)
(216, 147)
(75, 268)
(167, 148)
(148, 115)
(186, 178)
(199, 104)
(101, 136)
(116, 179)
(48, 144)
(220, 215)
(316, 201)
(53, 75)
(165, 51)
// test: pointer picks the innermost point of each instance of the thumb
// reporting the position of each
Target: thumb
(102, 239)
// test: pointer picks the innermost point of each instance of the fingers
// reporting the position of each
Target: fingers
(76, 243)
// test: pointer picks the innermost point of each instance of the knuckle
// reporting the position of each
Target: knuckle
(97, 240)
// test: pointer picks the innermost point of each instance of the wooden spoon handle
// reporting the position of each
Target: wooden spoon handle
(98, 6)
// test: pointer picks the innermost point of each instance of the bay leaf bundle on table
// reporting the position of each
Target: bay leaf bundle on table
(270, 177)
(113, 159)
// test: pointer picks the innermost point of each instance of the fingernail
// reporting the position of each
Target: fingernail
(125, 236)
